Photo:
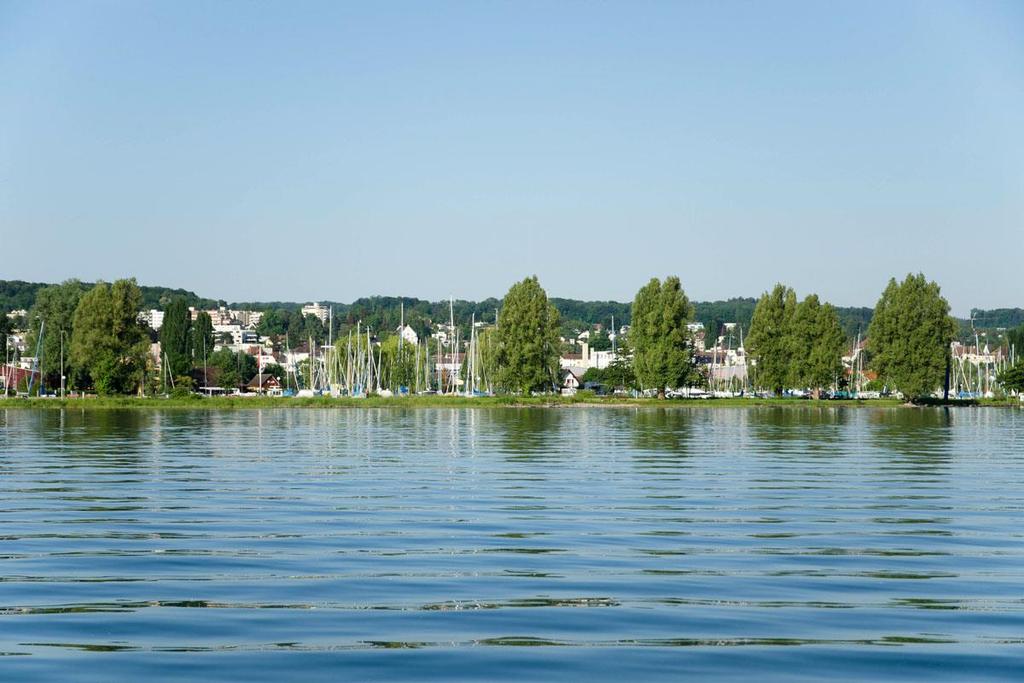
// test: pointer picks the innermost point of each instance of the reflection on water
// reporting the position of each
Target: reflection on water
(497, 544)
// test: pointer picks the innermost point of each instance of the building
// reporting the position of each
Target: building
(321, 312)
(587, 359)
(265, 384)
(153, 318)
(408, 334)
(572, 380)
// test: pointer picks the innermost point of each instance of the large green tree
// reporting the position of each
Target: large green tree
(909, 336)
(1012, 378)
(296, 329)
(816, 345)
(769, 343)
(231, 370)
(174, 339)
(108, 339)
(662, 354)
(55, 306)
(528, 339)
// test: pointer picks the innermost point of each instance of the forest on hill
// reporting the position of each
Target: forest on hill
(385, 312)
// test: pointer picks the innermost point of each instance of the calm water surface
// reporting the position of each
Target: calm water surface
(693, 544)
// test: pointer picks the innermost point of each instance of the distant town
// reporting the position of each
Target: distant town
(396, 346)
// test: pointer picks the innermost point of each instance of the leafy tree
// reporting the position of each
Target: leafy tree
(232, 370)
(1012, 378)
(273, 323)
(600, 341)
(528, 339)
(296, 329)
(55, 305)
(273, 369)
(816, 345)
(618, 374)
(910, 334)
(174, 342)
(769, 342)
(661, 344)
(202, 337)
(314, 329)
(108, 339)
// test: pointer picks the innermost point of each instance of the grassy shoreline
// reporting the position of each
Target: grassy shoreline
(266, 402)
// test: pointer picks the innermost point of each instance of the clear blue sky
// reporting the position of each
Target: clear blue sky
(333, 150)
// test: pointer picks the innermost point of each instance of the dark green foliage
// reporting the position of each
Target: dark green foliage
(600, 341)
(714, 314)
(273, 369)
(1012, 378)
(769, 343)
(997, 317)
(528, 339)
(5, 330)
(578, 316)
(174, 338)
(909, 336)
(314, 329)
(273, 323)
(161, 297)
(1015, 340)
(230, 370)
(296, 329)
(201, 337)
(661, 345)
(108, 340)
(18, 294)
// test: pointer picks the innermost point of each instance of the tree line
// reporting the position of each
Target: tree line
(93, 334)
(791, 343)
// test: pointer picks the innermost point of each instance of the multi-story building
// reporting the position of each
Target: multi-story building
(153, 318)
(316, 309)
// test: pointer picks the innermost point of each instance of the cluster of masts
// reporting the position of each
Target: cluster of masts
(361, 368)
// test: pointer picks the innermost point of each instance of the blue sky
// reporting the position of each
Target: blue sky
(334, 150)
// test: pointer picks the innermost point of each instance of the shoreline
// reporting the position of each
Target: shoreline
(422, 402)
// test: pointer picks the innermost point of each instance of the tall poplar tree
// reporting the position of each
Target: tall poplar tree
(909, 336)
(174, 341)
(527, 339)
(768, 342)
(816, 345)
(662, 354)
(202, 337)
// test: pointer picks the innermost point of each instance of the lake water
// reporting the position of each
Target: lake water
(600, 544)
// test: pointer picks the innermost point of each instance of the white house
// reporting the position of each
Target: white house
(408, 334)
(572, 380)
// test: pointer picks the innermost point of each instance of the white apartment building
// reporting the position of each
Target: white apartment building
(316, 309)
